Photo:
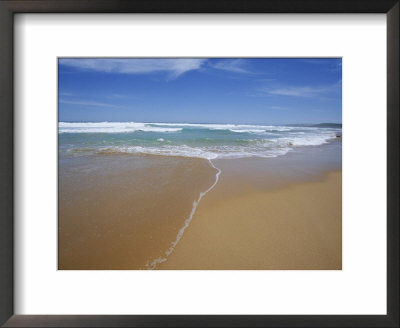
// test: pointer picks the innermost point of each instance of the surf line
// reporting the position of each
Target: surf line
(153, 264)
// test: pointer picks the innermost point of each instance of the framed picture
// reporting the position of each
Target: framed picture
(207, 164)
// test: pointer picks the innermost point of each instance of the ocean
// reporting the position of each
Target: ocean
(208, 141)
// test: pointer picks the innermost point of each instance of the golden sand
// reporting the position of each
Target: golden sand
(296, 227)
(124, 217)
(273, 213)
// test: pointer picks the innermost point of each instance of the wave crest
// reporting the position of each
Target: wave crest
(111, 127)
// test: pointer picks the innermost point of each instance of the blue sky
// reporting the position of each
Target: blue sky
(198, 90)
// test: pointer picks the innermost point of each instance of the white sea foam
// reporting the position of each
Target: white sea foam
(257, 148)
(197, 152)
(239, 128)
(111, 127)
(183, 151)
(151, 265)
(248, 131)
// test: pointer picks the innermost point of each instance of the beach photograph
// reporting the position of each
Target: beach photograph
(199, 163)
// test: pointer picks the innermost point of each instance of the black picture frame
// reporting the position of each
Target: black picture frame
(10, 7)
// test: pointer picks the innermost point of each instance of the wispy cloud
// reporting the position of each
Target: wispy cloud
(174, 67)
(66, 94)
(296, 91)
(331, 64)
(303, 91)
(234, 65)
(118, 96)
(89, 103)
(71, 95)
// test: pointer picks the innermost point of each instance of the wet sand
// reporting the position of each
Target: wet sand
(120, 212)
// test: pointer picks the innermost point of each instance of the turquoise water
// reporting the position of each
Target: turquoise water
(207, 141)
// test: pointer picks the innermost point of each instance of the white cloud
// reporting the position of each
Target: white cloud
(89, 103)
(296, 91)
(175, 67)
(234, 65)
(303, 91)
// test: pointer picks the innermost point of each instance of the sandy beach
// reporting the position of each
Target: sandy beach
(282, 213)
(296, 227)
(127, 212)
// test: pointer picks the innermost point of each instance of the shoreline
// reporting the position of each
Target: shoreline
(153, 264)
(219, 182)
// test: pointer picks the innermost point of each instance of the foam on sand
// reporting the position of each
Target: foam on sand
(153, 264)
